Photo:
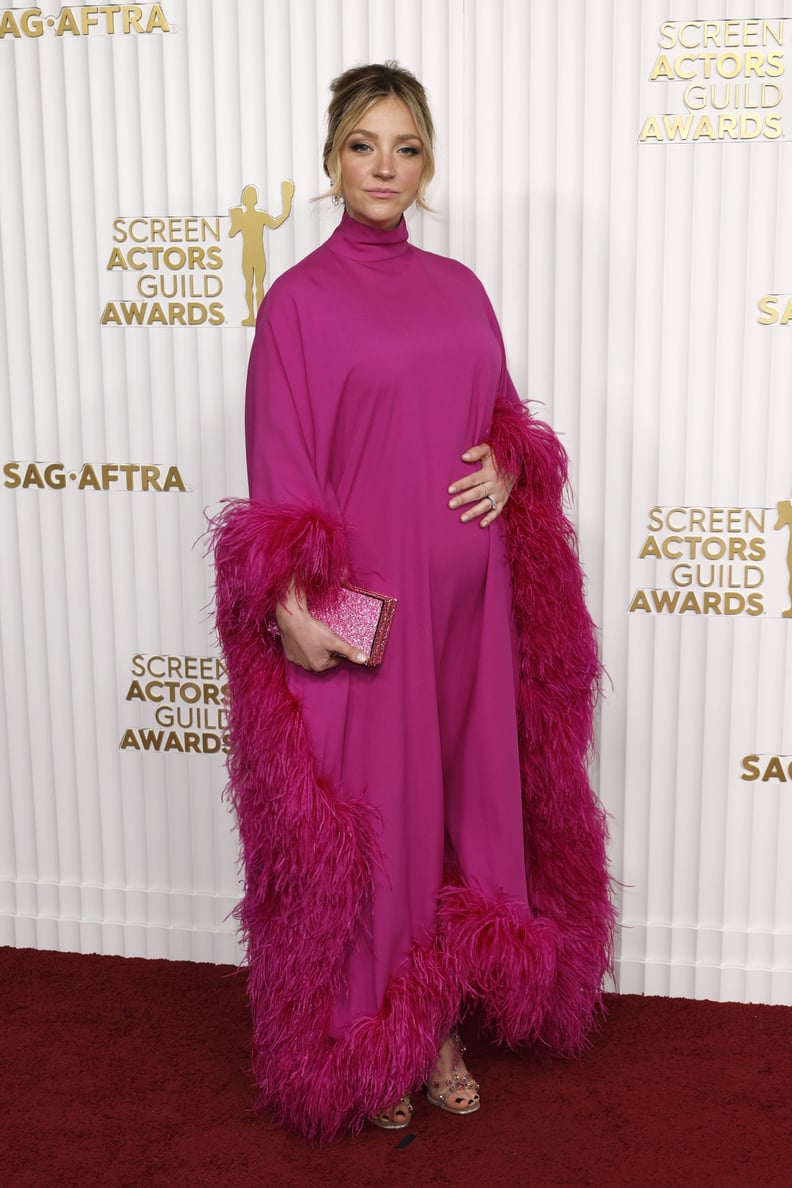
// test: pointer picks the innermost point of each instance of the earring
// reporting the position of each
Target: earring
(336, 199)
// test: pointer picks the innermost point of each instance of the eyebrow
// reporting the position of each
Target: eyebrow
(374, 135)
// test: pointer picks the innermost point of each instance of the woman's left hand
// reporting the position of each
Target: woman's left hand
(485, 492)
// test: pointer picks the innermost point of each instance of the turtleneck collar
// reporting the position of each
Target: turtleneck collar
(357, 241)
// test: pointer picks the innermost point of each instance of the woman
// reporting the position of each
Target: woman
(419, 837)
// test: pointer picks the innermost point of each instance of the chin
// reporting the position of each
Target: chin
(376, 218)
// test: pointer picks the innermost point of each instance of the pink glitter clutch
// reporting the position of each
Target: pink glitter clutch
(361, 617)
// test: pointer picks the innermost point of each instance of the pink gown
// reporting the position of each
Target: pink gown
(374, 367)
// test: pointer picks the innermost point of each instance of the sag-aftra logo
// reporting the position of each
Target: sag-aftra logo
(81, 20)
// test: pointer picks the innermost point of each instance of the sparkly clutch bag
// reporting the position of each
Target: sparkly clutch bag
(361, 617)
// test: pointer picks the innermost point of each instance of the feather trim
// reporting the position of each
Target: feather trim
(485, 952)
(260, 550)
(534, 974)
(565, 827)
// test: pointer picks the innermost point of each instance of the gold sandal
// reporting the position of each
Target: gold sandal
(460, 1085)
(390, 1120)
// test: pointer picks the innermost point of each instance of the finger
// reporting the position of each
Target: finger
(469, 483)
(475, 494)
(325, 662)
(476, 452)
(490, 518)
(475, 512)
(347, 651)
(483, 508)
(466, 481)
(486, 474)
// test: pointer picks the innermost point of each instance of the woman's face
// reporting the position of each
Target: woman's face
(382, 161)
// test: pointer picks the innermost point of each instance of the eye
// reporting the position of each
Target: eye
(409, 150)
(359, 146)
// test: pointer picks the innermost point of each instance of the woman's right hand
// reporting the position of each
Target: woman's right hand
(309, 642)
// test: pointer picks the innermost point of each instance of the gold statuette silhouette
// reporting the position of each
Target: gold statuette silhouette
(785, 520)
(250, 222)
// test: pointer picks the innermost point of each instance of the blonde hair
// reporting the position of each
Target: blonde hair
(358, 89)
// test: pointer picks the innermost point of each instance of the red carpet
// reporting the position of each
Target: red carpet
(131, 1072)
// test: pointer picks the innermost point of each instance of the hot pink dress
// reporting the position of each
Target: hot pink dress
(394, 873)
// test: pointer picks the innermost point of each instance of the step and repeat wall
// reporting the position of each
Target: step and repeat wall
(619, 174)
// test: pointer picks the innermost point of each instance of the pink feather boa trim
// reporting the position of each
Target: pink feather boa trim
(534, 977)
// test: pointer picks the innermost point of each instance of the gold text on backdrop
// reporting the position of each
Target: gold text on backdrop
(769, 312)
(188, 696)
(715, 561)
(83, 19)
(720, 78)
(104, 476)
(177, 264)
(767, 768)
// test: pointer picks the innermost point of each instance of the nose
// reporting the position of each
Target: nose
(384, 166)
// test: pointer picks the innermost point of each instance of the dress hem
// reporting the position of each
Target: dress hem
(309, 854)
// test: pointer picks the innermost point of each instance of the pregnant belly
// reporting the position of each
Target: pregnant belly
(407, 541)
(459, 554)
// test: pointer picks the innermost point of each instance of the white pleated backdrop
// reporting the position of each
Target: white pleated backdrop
(627, 271)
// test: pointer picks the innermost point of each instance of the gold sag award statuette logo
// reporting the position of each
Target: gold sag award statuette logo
(784, 520)
(774, 768)
(178, 264)
(726, 75)
(716, 561)
(249, 222)
(80, 20)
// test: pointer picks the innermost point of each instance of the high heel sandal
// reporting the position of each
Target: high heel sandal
(391, 1119)
(459, 1086)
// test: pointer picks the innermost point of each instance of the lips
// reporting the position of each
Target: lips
(382, 193)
